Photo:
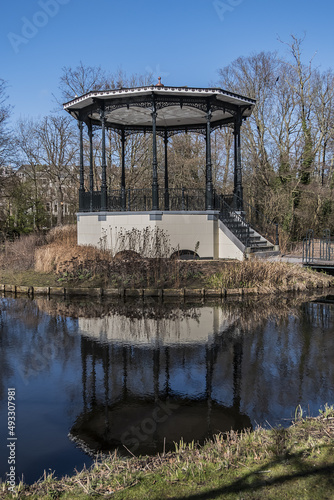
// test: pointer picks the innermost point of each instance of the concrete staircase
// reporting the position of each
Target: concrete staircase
(255, 244)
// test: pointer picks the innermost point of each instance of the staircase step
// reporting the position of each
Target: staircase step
(260, 249)
(238, 228)
(263, 254)
(259, 244)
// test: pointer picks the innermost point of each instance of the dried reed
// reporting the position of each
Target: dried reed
(19, 254)
(269, 275)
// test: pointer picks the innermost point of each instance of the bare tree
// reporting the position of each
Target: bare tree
(324, 124)
(80, 80)
(255, 76)
(119, 79)
(222, 148)
(49, 147)
(6, 142)
(300, 83)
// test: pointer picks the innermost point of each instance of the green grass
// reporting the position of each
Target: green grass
(27, 278)
(34, 278)
(294, 463)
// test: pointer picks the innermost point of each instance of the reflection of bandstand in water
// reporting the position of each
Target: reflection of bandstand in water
(142, 394)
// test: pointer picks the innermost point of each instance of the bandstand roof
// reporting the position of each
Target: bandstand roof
(178, 108)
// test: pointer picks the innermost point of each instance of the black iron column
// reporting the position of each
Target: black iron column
(105, 362)
(125, 372)
(166, 172)
(208, 382)
(156, 372)
(82, 173)
(123, 200)
(93, 377)
(237, 192)
(237, 373)
(84, 371)
(167, 377)
(104, 165)
(155, 186)
(209, 186)
(91, 173)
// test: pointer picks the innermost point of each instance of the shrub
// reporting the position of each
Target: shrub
(20, 253)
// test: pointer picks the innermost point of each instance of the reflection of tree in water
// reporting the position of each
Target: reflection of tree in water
(6, 371)
(316, 320)
(13, 314)
(38, 338)
(132, 309)
(248, 312)
(290, 362)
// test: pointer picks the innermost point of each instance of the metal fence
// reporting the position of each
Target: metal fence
(318, 248)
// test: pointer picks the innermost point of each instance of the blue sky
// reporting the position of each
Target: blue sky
(184, 41)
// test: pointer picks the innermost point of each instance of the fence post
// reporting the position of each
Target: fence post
(182, 202)
(129, 200)
(308, 247)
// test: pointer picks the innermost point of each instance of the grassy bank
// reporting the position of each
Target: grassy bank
(297, 462)
(56, 260)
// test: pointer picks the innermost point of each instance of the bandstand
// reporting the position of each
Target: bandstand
(199, 222)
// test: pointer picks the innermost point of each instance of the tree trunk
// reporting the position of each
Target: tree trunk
(60, 199)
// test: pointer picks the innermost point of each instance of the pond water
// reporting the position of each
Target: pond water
(93, 376)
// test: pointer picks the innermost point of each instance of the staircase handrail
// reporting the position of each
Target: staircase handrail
(260, 216)
(226, 209)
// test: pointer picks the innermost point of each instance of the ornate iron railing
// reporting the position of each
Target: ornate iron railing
(177, 199)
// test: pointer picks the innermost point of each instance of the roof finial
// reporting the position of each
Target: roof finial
(159, 84)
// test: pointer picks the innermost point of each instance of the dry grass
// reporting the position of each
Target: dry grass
(58, 253)
(62, 256)
(66, 235)
(19, 254)
(57, 257)
(268, 275)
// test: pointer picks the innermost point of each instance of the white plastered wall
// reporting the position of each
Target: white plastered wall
(114, 327)
(194, 231)
(229, 246)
